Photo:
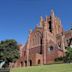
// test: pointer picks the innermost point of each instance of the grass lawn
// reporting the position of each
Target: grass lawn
(45, 68)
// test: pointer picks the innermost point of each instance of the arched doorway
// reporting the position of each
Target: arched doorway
(25, 63)
(21, 64)
(39, 62)
(30, 62)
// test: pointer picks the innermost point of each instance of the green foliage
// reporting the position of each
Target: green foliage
(9, 50)
(68, 57)
(59, 59)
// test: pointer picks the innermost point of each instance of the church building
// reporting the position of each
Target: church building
(45, 43)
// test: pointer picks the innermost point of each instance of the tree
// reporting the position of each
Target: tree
(9, 51)
(68, 57)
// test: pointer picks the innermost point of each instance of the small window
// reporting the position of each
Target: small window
(50, 49)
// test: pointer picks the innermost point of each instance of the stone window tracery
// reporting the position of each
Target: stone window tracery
(35, 39)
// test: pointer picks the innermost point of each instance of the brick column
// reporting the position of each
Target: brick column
(45, 43)
(63, 43)
(27, 50)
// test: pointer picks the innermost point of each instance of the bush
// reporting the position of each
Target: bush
(59, 59)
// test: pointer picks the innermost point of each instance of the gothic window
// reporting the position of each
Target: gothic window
(50, 26)
(37, 38)
(41, 46)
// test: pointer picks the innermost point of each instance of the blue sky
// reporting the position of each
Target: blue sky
(18, 16)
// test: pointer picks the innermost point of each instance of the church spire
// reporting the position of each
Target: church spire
(41, 21)
(52, 12)
(41, 18)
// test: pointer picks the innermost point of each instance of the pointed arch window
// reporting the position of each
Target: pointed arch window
(50, 26)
